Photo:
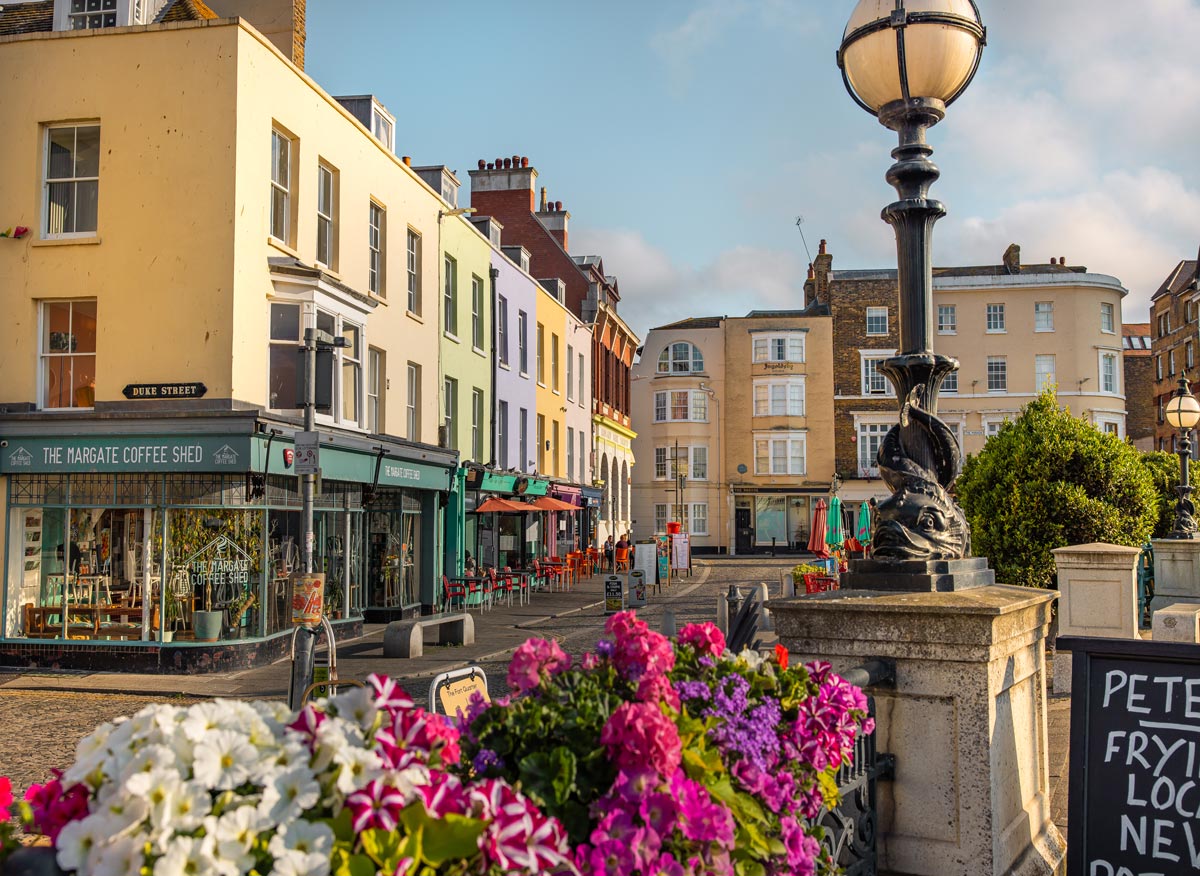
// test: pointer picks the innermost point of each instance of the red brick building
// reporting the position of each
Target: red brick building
(1174, 338)
(1140, 410)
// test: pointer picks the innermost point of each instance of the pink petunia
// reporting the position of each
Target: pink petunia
(54, 806)
(389, 695)
(375, 806)
(6, 799)
(705, 638)
(534, 660)
(639, 735)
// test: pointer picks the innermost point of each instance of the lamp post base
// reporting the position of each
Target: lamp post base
(918, 576)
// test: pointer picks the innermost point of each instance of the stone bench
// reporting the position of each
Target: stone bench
(406, 638)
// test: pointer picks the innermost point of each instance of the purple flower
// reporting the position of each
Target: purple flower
(693, 690)
(802, 850)
(605, 648)
(486, 760)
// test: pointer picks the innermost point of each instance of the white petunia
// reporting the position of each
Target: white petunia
(289, 794)
(90, 753)
(357, 705)
(302, 848)
(201, 719)
(120, 856)
(223, 760)
(189, 806)
(293, 753)
(408, 779)
(751, 658)
(123, 811)
(185, 856)
(234, 834)
(147, 759)
(356, 767)
(78, 841)
(329, 741)
(158, 788)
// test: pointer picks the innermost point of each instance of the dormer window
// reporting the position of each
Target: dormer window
(91, 14)
(383, 127)
(680, 358)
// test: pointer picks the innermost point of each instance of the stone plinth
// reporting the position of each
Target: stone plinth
(1176, 571)
(1097, 586)
(1177, 623)
(922, 576)
(966, 721)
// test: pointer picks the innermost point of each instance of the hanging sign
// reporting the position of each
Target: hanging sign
(164, 390)
(1134, 800)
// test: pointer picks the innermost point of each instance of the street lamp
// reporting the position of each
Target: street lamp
(904, 61)
(1183, 412)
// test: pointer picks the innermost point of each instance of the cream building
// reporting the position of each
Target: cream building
(182, 239)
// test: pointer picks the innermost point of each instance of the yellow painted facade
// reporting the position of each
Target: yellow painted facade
(550, 349)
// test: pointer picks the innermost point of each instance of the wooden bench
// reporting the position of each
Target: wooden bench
(406, 638)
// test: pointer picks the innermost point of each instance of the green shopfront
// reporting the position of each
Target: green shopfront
(167, 551)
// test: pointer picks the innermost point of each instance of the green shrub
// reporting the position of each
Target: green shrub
(798, 572)
(1164, 472)
(1048, 480)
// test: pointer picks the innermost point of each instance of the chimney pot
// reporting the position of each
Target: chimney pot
(1062, 260)
(542, 209)
(507, 163)
(1053, 260)
(491, 166)
(821, 248)
(499, 163)
(407, 161)
(516, 160)
(558, 206)
(811, 273)
(524, 161)
(482, 164)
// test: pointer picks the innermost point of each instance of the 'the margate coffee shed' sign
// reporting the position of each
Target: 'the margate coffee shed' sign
(1135, 758)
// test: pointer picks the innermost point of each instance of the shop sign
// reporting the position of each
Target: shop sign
(122, 453)
(777, 366)
(164, 390)
(220, 570)
(506, 483)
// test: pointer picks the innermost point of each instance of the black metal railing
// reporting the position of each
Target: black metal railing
(851, 829)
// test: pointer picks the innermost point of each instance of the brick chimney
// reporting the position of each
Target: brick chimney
(554, 217)
(499, 190)
(283, 22)
(822, 272)
(1012, 259)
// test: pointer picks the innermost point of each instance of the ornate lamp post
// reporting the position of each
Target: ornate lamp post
(905, 61)
(1183, 412)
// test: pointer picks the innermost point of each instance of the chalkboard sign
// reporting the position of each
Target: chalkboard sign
(1134, 806)
(614, 594)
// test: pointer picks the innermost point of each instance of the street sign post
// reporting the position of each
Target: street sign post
(308, 453)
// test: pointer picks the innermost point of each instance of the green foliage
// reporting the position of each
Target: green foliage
(1048, 480)
(798, 572)
(1164, 472)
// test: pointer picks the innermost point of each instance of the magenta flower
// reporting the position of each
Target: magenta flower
(375, 805)
(415, 734)
(638, 650)
(54, 807)
(638, 735)
(701, 818)
(520, 838)
(388, 694)
(307, 721)
(665, 865)
(802, 849)
(705, 638)
(532, 661)
(444, 795)
(658, 689)
(6, 798)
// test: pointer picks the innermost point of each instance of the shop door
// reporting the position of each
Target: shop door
(745, 533)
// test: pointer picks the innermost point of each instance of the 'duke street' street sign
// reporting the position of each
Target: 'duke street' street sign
(164, 390)
(1134, 806)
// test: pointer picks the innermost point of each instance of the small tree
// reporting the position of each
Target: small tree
(1048, 480)
(1164, 473)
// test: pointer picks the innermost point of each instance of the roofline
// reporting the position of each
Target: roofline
(1104, 281)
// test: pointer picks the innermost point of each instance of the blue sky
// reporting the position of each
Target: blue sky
(686, 136)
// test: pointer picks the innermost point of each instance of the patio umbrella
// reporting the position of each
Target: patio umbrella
(495, 503)
(863, 530)
(549, 503)
(835, 533)
(816, 538)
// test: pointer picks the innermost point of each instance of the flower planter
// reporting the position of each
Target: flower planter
(207, 625)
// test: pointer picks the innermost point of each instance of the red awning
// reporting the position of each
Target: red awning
(549, 503)
(495, 503)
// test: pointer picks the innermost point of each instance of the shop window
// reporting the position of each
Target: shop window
(72, 181)
(68, 354)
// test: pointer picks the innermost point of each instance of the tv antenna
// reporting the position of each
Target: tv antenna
(800, 228)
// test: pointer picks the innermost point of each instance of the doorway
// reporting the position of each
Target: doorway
(745, 532)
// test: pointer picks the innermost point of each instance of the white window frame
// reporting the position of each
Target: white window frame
(1158, 367)
(950, 383)
(327, 197)
(523, 441)
(680, 357)
(376, 249)
(870, 435)
(412, 402)
(412, 250)
(765, 396)
(450, 297)
(660, 518)
(1189, 355)
(477, 424)
(376, 376)
(554, 363)
(502, 331)
(1041, 377)
(664, 406)
(108, 12)
(501, 453)
(877, 313)
(523, 344)
(789, 440)
(73, 180)
(1113, 386)
(570, 373)
(693, 528)
(866, 373)
(450, 411)
(46, 356)
(311, 306)
(947, 319)
(778, 347)
(477, 336)
(1171, 363)
(1001, 372)
(570, 453)
(996, 319)
(282, 175)
(1108, 314)
(384, 128)
(1046, 310)
(540, 354)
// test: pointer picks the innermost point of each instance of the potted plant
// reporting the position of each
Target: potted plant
(207, 623)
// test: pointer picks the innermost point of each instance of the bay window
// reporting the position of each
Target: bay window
(285, 362)
(787, 347)
(779, 398)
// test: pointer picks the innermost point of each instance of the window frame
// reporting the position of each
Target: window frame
(770, 344)
(412, 401)
(1038, 314)
(282, 228)
(669, 405)
(477, 310)
(310, 313)
(1109, 386)
(477, 424)
(327, 198)
(109, 9)
(788, 439)
(502, 331)
(376, 249)
(1108, 313)
(770, 384)
(412, 254)
(523, 345)
(501, 453)
(554, 364)
(570, 453)
(450, 297)
(866, 373)
(73, 180)
(570, 376)
(692, 528)
(950, 383)
(1039, 374)
(996, 319)
(875, 313)
(950, 326)
(450, 411)
(690, 363)
(540, 355)
(46, 356)
(376, 381)
(1001, 373)
(869, 437)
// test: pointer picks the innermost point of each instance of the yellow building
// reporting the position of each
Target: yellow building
(550, 375)
(181, 243)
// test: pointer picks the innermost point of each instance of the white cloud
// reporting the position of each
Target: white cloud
(655, 290)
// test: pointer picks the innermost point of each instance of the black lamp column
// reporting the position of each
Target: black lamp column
(1183, 412)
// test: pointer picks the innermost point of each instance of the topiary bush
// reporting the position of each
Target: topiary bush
(1048, 480)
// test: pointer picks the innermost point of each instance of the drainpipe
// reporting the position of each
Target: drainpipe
(493, 273)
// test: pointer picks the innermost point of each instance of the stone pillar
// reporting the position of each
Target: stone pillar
(1097, 586)
(966, 721)
(1176, 571)
(1177, 623)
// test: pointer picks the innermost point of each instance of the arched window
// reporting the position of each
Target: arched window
(680, 357)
